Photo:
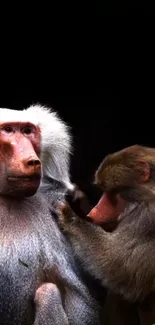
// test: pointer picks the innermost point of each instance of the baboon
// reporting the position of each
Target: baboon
(123, 259)
(40, 282)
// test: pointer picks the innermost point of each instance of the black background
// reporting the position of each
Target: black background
(105, 121)
(124, 8)
(113, 61)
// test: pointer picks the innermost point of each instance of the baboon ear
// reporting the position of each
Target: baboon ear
(144, 169)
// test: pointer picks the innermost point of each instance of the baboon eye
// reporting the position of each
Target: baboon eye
(27, 130)
(8, 128)
(113, 197)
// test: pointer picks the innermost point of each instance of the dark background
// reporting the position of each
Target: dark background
(125, 8)
(104, 121)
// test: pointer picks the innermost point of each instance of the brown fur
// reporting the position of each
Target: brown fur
(123, 260)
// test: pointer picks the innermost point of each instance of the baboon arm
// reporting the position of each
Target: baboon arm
(118, 261)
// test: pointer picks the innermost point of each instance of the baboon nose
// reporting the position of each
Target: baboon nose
(34, 162)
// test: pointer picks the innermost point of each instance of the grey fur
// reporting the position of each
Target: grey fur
(33, 251)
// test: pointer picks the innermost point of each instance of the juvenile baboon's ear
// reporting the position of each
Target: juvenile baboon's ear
(144, 170)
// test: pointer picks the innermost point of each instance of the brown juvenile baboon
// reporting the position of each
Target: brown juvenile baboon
(123, 260)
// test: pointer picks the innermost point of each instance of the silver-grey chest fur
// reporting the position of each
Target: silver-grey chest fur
(33, 251)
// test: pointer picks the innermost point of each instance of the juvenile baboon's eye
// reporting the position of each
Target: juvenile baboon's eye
(112, 195)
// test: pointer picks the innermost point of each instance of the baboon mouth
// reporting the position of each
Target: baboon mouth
(28, 178)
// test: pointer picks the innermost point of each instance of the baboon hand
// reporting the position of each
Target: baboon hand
(66, 215)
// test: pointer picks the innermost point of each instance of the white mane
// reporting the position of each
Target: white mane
(55, 139)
